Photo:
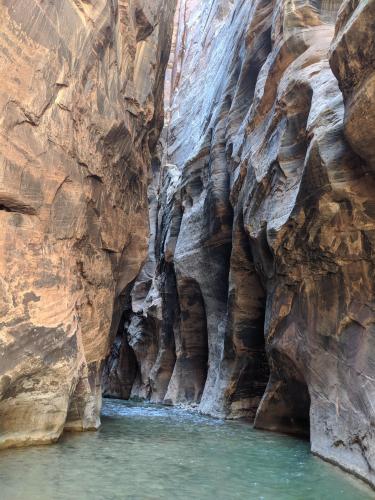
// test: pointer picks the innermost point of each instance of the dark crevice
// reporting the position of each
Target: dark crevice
(286, 404)
(120, 368)
(17, 208)
(144, 27)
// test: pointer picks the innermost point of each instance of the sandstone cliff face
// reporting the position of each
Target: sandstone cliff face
(81, 100)
(262, 302)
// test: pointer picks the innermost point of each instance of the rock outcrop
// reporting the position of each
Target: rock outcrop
(81, 100)
(262, 301)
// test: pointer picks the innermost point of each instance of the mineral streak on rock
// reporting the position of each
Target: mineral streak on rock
(262, 300)
(81, 100)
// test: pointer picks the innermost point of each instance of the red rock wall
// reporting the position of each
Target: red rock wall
(81, 100)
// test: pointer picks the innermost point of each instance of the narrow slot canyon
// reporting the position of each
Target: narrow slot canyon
(187, 264)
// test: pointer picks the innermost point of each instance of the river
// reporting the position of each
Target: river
(145, 452)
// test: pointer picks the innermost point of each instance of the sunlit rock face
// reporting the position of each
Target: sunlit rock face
(81, 101)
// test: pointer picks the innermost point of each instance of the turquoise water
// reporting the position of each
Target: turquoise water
(149, 452)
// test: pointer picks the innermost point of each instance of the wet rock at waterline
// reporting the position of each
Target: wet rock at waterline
(262, 300)
(81, 100)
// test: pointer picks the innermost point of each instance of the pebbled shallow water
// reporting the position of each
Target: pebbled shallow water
(147, 452)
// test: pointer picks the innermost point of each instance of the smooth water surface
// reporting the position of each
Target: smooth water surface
(149, 452)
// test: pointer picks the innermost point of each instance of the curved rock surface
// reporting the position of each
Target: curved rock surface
(262, 301)
(81, 100)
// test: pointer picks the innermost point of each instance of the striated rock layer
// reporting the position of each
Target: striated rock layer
(81, 100)
(262, 300)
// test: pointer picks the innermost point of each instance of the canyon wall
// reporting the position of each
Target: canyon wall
(81, 100)
(261, 304)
